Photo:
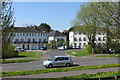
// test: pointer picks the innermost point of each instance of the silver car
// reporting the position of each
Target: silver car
(58, 61)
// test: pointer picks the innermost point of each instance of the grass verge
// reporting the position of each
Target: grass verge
(79, 53)
(18, 61)
(76, 68)
(110, 55)
(93, 76)
(29, 55)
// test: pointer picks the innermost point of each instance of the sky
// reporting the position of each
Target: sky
(58, 15)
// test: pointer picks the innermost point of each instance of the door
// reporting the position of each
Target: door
(23, 46)
(27, 47)
(58, 62)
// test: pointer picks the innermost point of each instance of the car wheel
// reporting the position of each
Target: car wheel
(68, 65)
(50, 65)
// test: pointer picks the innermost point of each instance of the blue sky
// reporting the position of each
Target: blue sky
(57, 14)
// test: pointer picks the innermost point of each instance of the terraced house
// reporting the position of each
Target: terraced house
(79, 40)
(31, 38)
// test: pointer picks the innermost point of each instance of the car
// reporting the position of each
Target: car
(19, 49)
(62, 47)
(58, 61)
(43, 48)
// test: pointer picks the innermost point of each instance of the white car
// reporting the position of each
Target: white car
(19, 49)
(62, 47)
(58, 61)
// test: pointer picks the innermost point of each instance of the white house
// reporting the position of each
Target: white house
(29, 38)
(56, 36)
(79, 40)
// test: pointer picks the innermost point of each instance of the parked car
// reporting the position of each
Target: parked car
(19, 49)
(62, 47)
(43, 48)
(58, 61)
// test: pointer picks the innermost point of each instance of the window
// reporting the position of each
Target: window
(66, 58)
(40, 40)
(27, 34)
(80, 39)
(20, 34)
(32, 34)
(62, 39)
(29, 40)
(104, 39)
(38, 34)
(84, 33)
(99, 39)
(75, 39)
(84, 44)
(79, 33)
(44, 40)
(84, 39)
(58, 39)
(23, 34)
(16, 40)
(75, 45)
(79, 45)
(33, 40)
(22, 40)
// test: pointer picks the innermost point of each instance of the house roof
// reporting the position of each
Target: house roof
(55, 33)
(26, 29)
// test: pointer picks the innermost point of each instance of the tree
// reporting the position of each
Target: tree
(103, 15)
(60, 43)
(85, 22)
(44, 27)
(108, 13)
(7, 25)
(53, 44)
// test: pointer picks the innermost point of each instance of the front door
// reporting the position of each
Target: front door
(27, 47)
(23, 46)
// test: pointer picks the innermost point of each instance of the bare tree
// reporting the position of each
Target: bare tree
(7, 25)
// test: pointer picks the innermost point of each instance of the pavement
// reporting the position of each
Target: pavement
(63, 74)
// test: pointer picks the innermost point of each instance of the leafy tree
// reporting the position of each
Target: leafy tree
(44, 27)
(108, 14)
(7, 25)
(98, 17)
(60, 43)
(85, 22)
(53, 44)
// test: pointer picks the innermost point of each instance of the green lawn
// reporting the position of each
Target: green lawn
(95, 75)
(29, 55)
(110, 55)
(18, 61)
(76, 68)
(79, 53)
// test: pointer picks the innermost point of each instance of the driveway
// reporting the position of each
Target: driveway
(35, 65)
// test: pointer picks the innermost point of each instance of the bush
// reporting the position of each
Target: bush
(10, 52)
(88, 48)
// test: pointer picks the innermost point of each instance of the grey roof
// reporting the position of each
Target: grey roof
(25, 29)
(55, 33)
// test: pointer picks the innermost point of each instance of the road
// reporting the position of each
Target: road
(78, 61)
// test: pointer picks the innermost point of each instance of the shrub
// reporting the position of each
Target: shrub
(88, 48)
(10, 52)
